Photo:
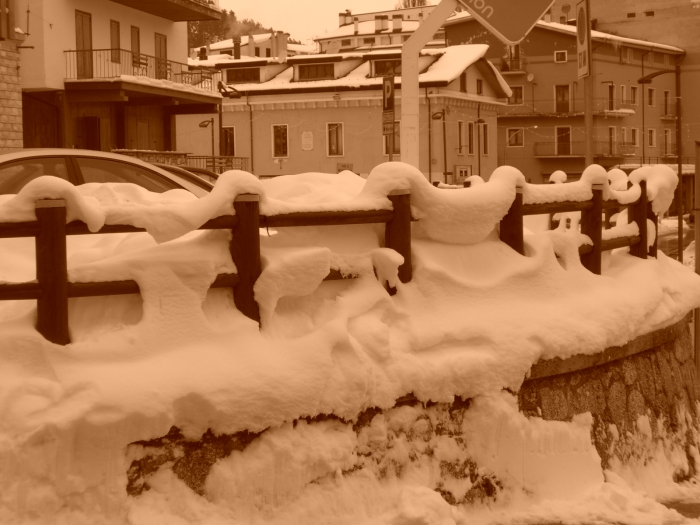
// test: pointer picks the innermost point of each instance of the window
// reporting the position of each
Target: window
(631, 15)
(346, 42)
(626, 55)
(280, 145)
(161, 52)
(562, 99)
(562, 20)
(268, 52)
(228, 141)
(383, 68)
(103, 170)
(257, 51)
(335, 139)
(651, 138)
(651, 97)
(15, 175)
(243, 75)
(83, 44)
(397, 140)
(667, 60)
(516, 137)
(135, 41)
(316, 72)
(635, 136)
(634, 90)
(667, 103)
(369, 40)
(650, 58)
(460, 137)
(516, 98)
(114, 41)
(463, 82)
(667, 142)
(463, 171)
(648, 13)
(485, 139)
(470, 138)
(479, 86)
(560, 57)
(623, 135)
(623, 94)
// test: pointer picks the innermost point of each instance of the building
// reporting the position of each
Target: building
(324, 112)
(262, 45)
(110, 74)
(672, 22)
(541, 130)
(11, 38)
(376, 30)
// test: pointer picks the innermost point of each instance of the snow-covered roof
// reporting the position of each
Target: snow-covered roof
(366, 29)
(449, 64)
(595, 35)
(259, 39)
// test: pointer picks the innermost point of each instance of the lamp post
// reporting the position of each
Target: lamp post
(204, 124)
(442, 114)
(679, 144)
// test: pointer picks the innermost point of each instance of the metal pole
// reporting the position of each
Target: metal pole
(588, 87)
(430, 139)
(679, 151)
(221, 126)
(696, 213)
(478, 147)
(444, 144)
(213, 151)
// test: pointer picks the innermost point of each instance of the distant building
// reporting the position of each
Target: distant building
(262, 45)
(110, 74)
(324, 112)
(10, 89)
(376, 30)
(541, 130)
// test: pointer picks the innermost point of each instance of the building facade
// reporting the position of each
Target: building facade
(324, 112)
(110, 74)
(541, 130)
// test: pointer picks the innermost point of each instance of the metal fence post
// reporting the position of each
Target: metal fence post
(52, 271)
(592, 225)
(638, 213)
(511, 230)
(245, 252)
(398, 233)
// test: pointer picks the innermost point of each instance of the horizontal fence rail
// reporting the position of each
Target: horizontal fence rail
(52, 289)
(112, 63)
(511, 226)
(217, 164)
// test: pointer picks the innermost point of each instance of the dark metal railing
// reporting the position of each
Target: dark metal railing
(512, 64)
(551, 106)
(578, 149)
(113, 63)
(218, 164)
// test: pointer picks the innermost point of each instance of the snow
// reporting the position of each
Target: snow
(472, 321)
(154, 82)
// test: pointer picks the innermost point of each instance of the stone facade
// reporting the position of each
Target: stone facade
(652, 376)
(10, 97)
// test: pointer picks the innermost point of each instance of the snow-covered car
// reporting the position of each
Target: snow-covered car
(85, 166)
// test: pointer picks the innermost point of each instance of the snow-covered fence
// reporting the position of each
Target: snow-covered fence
(511, 227)
(52, 289)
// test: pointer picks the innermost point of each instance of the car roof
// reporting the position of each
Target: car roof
(194, 187)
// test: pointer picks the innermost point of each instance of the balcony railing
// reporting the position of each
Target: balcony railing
(549, 106)
(113, 63)
(512, 64)
(578, 149)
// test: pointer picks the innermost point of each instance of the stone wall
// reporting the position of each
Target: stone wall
(10, 97)
(652, 376)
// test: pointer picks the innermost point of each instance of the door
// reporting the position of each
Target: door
(514, 57)
(564, 141)
(611, 97)
(562, 99)
(161, 56)
(143, 135)
(136, 48)
(83, 44)
(612, 133)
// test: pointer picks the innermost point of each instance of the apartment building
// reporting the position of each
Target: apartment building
(110, 74)
(541, 130)
(324, 112)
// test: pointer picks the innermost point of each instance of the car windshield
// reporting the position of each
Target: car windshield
(107, 170)
(15, 175)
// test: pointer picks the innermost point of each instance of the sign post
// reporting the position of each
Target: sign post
(388, 115)
(508, 20)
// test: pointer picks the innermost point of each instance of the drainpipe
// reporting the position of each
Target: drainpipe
(410, 116)
(250, 120)
(430, 139)
(679, 153)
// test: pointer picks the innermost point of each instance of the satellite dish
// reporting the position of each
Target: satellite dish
(565, 8)
(530, 77)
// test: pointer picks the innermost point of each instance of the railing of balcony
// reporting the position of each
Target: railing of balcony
(512, 64)
(521, 105)
(578, 149)
(112, 63)
(668, 110)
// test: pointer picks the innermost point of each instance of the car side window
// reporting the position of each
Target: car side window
(104, 170)
(15, 175)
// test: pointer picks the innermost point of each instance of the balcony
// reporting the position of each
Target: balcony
(668, 111)
(512, 66)
(116, 63)
(554, 149)
(612, 107)
(177, 10)
(558, 108)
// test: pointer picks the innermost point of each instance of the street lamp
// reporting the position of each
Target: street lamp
(679, 143)
(204, 124)
(437, 116)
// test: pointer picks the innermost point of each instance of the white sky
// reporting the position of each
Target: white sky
(303, 19)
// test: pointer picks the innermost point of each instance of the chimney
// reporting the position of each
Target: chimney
(251, 46)
(397, 23)
(282, 46)
(357, 25)
(237, 47)
(202, 53)
(273, 44)
(341, 19)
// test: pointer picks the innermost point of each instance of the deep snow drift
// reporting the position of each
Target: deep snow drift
(472, 321)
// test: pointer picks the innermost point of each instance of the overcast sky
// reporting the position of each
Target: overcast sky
(303, 19)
